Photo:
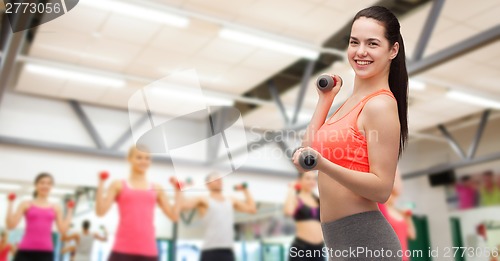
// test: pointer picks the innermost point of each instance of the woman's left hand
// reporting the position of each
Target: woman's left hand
(296, 157)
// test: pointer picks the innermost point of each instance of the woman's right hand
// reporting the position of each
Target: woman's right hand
(330, 95)
(103, 176)
(11, 198)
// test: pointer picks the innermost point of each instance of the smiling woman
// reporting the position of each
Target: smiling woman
(353, 181)
(136, 198)
(39, 214)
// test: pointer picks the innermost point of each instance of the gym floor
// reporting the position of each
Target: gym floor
(78, 90)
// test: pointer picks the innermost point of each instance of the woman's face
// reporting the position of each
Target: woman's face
(308, 180)
(43, 186)
(369, 52)
(139, 160)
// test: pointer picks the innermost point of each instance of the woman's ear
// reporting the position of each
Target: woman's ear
(394, 50)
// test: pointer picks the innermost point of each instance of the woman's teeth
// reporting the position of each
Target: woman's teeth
(363, 62)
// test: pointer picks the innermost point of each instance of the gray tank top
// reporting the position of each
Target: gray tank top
(218, 222)
(85, 245)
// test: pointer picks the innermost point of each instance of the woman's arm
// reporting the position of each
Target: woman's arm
(104, 238)
(247, 205)
(68, 249)
(12, 218)
(291, 201)
(412, 232)
(193, 203)
(13, 249)
(66, 238)
(104, 202)
(62, 222)
(164, 204)
(381, 126)
(320, 113)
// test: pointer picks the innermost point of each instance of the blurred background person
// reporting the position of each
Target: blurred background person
(5, 247)
(400, 220)
(497, 181)
(489, 192)
(217, 215)
(467, 192)
(303, 206)
(68, 246)
(136, 198)
(84, 241)
(40, 215)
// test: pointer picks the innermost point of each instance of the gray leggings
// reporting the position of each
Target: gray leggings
(362, 236)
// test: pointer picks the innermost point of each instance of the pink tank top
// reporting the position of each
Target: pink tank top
(38, 233)
(400, 228)
(136, 234)
(341, 142)
(4, 252)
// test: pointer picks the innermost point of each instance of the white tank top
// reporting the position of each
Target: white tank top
(218, 222)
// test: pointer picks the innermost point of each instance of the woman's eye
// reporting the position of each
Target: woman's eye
(353, 42)
(373, 44)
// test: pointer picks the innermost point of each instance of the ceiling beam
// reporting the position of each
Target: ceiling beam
(454, 51)
(453, 143)
(451, 166)
(127, 134)
(277, 100)
(479, 134)
(84, 119)
(302, 91)
(11, 48)
(429, 26)
(122, 155)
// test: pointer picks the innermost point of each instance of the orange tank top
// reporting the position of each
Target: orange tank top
(341, 142)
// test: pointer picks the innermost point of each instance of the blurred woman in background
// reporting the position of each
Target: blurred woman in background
(39, 214)
(400, 220)
(489, 192)
(303, 206)
(137, 198)
(6, 247)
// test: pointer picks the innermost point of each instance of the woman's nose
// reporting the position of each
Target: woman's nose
(361, 51)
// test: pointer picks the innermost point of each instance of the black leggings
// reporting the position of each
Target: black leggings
(217, 255)
(115, 256)
(301, 250)
(30, 255)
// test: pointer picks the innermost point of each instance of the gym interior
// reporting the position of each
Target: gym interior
(230, 87)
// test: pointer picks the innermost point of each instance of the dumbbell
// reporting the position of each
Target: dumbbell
(241, 186)
(103, 228)
(177, 183)
(307, 159)
(70, 204)
(12, 196)
(104, 175)
(326, 82)
(297, 186)
(408, 212)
